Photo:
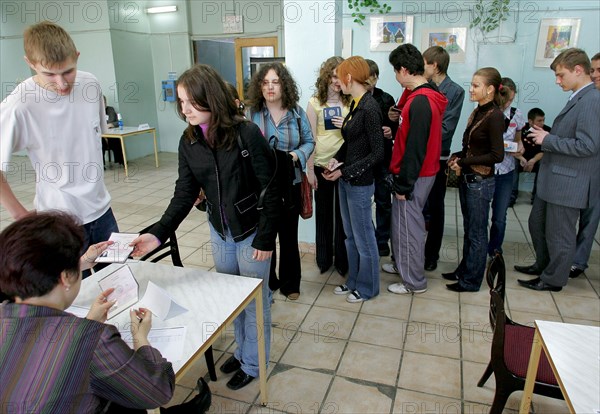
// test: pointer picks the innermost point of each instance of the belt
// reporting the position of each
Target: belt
(473, 178)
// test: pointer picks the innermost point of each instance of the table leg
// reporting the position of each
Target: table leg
(534, 360)
(262, 358)
(155, 149)
(124, 155)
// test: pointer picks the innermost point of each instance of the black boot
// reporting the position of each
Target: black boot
(197, 405)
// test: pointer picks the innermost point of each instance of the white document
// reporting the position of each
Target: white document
(120, 250)
(169, 341)
(79, 311)
(126, 289)
(160, 303)
(510, 146)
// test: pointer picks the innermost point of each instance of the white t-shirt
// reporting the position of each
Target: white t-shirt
(62, 137)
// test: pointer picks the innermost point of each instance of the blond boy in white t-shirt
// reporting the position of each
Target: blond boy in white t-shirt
(57, 116)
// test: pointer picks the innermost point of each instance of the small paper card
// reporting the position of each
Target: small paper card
(337, 165)
(169, 341)
(79, 311)
(142, 127)
(510, 146)
(160, 303)
(119, 251)
(329, 113)
(126, 289)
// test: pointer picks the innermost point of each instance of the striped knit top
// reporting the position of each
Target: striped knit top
(54, 362)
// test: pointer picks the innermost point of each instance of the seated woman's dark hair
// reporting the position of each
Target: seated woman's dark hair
(35, 250)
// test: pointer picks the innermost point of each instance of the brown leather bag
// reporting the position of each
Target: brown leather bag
(306, 198)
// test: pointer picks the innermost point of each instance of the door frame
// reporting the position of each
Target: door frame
(249, 42)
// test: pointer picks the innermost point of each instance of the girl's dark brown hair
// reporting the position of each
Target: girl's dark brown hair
(508, 85)
(207, 90)
(324, 79)
(289, 89)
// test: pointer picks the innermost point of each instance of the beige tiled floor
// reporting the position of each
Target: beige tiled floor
(393, 354)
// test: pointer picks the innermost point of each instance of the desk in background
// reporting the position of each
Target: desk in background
(573, 352)
(129, 132)
(213, 301)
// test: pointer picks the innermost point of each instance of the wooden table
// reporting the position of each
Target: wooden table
(130, 132)
(574, 355)
(213, 301)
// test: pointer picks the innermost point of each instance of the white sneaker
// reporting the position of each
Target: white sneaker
(341, 290)
(402, 289)
(354, 297)
(390, 268)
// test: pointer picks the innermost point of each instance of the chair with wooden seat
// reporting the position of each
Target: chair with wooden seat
(171, 248)
(511, 347)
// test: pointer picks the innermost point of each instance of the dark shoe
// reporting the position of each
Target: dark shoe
(197, 405)
(324, 269)
(529, 270)
(456, 287)
(538, 284)
(450, 276)
(231, 365)
(430, 265)
(239, 380)
(384, 250)
(575, 272)
(341, 272)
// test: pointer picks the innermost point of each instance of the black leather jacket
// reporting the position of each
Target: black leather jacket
(232, 189)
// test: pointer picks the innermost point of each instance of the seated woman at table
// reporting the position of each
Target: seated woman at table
(241, 200)
(53, 361)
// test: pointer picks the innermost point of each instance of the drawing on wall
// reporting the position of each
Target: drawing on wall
(454, 40)
(389, 32)
(555, 36)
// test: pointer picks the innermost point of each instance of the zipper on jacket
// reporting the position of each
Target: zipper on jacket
(219, 193)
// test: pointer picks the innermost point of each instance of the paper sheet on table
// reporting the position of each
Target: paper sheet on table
(162, 305)
(126, 289)
(169, 341)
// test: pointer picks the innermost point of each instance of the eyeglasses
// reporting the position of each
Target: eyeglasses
(275, 83)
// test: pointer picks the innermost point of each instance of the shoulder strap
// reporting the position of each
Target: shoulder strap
(245, 156)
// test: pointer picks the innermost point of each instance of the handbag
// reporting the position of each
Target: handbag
(306, 198)
(452, 180)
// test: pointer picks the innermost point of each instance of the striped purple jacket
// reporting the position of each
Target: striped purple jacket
(54, 362)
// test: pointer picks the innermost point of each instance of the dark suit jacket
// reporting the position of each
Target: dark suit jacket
(569, 173)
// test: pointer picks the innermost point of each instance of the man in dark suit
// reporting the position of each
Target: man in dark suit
(568, 180)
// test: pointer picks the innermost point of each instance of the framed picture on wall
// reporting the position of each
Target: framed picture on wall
(453, 39)
(555, 36)
(389, 32)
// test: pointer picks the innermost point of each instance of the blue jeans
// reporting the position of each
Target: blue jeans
(98, 231)
(361, 245)
(236, 259)
(475, 205)
(502, 193)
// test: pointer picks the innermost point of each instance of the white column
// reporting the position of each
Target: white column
(313, 33)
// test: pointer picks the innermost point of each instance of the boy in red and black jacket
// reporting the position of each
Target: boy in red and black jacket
(415, 162)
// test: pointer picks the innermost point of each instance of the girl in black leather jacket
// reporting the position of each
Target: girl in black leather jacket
(228, 157)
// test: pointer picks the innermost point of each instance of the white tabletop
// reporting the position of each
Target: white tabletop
(574, 352)
(211, 298)
(126, 130)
